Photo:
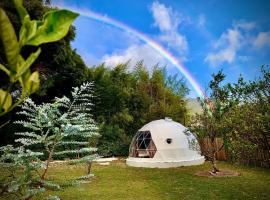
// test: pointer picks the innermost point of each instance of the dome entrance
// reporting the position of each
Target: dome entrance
(142, 145)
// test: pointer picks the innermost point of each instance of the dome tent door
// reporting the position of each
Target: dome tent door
(142, 145)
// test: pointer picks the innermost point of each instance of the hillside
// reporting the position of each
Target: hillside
(194, 106)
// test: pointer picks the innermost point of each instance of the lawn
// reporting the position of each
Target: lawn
(118, 181)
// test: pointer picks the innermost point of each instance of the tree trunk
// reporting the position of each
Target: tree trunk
(214, 163)
(47, 165)
(213, 156)
(89, 167)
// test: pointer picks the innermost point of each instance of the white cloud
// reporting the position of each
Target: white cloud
(201, 20)
(176, 41)
(168, 23)
(134, 54)
(228, 45)
(162, 16)
(244, 25)
(244, 58)
(242, 35)
(262, 40)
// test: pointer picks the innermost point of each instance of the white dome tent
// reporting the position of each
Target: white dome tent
(164, 143)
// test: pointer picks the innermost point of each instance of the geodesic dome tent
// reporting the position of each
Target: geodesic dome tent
(163, 144)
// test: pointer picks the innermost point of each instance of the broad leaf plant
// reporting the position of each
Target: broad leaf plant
(53, 27)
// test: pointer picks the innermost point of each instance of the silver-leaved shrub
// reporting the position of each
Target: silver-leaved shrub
(64, 127)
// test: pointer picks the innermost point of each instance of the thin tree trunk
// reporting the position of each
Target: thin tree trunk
(214, 154)
(214, 164)
(47, 165)
(78, 154)
(89, 167)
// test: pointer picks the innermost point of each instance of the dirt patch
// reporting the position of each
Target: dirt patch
(222, 173)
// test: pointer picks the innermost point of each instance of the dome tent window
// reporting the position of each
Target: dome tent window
(150, 147)
(169, 140)
(142, 145)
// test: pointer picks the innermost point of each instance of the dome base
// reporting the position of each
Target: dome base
(152, 163)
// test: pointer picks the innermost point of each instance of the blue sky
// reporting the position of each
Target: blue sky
(205, 36)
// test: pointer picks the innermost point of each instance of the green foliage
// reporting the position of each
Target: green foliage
(21, 178)
(53, 27)
(209, 124)
(247, 122)
(238, 113)
(5, 100)
(64, 127)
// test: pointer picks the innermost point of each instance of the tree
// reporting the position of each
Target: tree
(247, 122)
(64, 127)
(210, 122)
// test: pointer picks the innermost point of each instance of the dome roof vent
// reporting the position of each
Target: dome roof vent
(168, 119)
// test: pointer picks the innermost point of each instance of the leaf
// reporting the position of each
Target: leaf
(20, 9)
(3, 68)
(5, 100)
(9, 39)
(23, 80)
(28, 30)
(32, 83)
(26, 65)
(55, 26)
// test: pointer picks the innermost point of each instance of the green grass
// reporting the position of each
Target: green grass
(118, 181)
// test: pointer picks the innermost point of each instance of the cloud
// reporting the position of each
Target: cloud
(162, 16)
(168, 23)
(228, 45)
(244, 25)
(262, 40)
(176, 41)
(234, 40)
(201, 20)
(134, 54)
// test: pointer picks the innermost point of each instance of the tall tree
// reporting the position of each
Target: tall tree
(210, 123)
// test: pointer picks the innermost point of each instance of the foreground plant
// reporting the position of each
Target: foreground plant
(53, 27)
(64, 127)
(21, 178)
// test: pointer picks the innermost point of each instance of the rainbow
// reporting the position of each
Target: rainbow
(156, 46)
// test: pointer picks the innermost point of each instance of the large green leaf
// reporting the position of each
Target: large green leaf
(23, 81)
(3, 68)
(26, 64)
(5, 100)
(20, 9)
(9, 40)
(28, 30)
(55, 26)
(32, 83)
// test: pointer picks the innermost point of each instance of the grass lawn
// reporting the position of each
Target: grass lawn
(118, 181)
